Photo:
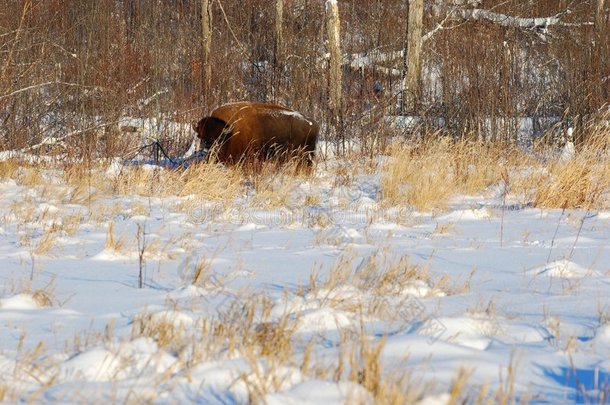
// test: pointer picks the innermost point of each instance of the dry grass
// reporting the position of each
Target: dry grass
(211, 182)
(8, 169)
(506, 392)
(43, 298)
(417, 175)
(202, 271)
(169, 333)
(459, 386)
(147, 182)
(425, 174)
(366, 365)
(381, 286)
(29, 176)
(580, 182)
(202, 182)
(70, 223)
(114, 243)
(573, 184)
(46, 242)
(243, 328)
(253, 331)
(359, 361)
(421, 174)
(275, 185)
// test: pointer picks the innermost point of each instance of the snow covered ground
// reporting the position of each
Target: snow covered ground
(514, 300)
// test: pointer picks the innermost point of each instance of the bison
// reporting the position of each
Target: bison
(248, 131)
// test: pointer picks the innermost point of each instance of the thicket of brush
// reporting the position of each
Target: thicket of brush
(75, 68)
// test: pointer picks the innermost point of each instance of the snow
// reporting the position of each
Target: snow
(564, 268)
(321, 392)
(92, 365)
(19, 301)
(536, 304)
(568, 152)
(290, 113)
(330, 3)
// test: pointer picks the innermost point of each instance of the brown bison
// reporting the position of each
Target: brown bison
(246, 131)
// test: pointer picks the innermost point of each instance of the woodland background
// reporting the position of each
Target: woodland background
(73, 70)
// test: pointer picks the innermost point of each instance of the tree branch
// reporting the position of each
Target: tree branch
(49, 140)
(510, 21)
(36, 86)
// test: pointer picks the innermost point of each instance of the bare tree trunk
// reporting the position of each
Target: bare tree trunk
(600, 55)
(405, 67)
(336, 79)
(411, 87)
(279, 45)
(206, 36)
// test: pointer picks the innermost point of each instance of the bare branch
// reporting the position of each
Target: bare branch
(439, 26)
(510, 21)
(503, 20)
(39, 85)
(47, 141)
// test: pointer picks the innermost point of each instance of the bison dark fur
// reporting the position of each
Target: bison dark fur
(244, 131)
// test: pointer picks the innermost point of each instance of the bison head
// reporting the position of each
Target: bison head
(211, 130)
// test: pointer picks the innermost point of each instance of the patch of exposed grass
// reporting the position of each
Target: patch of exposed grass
(8, 169)
(426, 174)
(211, 181)
(114, 242)
(274, 185)
(581, 182)
(165, 328)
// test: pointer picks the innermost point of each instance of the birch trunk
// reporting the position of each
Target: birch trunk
(206, 36)
(279, 33)
(278, 54)
(335, 76)
(600, 54)
(411, 91)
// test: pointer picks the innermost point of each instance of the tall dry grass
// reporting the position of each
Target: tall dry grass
(580, 181)
(8, 169)
(211, 182)
(426, 174)
(207, 181)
